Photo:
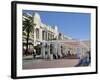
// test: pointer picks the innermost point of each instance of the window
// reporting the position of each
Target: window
(37, 33)
(43, 35)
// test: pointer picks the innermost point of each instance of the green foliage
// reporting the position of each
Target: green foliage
(28, 25)
(27, 28)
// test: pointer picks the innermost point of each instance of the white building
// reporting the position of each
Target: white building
(42, 31)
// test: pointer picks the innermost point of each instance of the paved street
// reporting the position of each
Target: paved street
(57, 63)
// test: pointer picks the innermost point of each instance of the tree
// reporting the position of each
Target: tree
(28, 27)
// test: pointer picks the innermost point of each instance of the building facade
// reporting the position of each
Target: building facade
(43, 32)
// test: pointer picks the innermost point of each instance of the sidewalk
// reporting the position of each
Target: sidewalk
(59, 63)
(28, 57)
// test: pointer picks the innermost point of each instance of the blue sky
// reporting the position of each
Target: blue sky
(75, 25)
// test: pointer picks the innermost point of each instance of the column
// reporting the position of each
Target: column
(34, 36)
(59, 50)
(55, 49)
(43, 50)
(48, 50)
(40, 34)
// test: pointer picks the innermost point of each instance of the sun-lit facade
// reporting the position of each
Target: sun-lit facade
(43, 31)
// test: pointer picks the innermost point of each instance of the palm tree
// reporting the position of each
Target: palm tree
(28, 27)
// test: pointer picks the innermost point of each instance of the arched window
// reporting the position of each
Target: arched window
(48, 36)
(37, 33)
(43, 35)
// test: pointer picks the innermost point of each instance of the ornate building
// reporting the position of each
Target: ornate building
(42, 31)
